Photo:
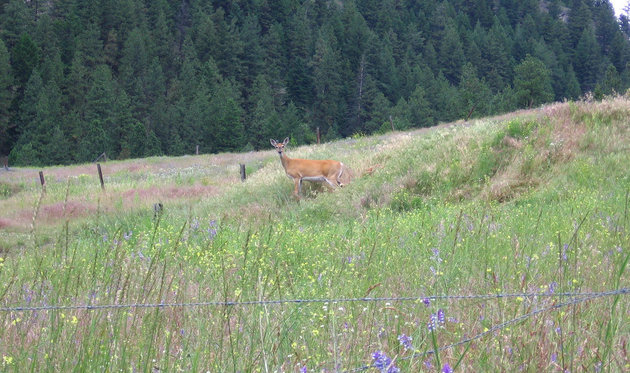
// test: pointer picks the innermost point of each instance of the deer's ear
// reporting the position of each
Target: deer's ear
(273, 142)
(286, 141)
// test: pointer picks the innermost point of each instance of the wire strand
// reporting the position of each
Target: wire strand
(502, 325)
(92, 307)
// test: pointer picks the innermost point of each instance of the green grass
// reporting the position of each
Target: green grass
(531, 202)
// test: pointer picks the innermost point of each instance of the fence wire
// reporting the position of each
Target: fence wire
(93, 307)
(579, 299)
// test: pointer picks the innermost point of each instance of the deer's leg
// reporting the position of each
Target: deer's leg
(338, 178)
(298, 187)
(332, 184)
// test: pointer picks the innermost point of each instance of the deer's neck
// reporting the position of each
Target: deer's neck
(285, 160)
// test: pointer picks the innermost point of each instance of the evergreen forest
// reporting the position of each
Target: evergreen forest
(136, 78)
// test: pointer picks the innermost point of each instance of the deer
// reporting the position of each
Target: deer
(328, 171)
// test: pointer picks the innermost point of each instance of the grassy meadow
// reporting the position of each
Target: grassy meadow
(535, 201)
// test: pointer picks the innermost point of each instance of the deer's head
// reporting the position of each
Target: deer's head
(279, 145)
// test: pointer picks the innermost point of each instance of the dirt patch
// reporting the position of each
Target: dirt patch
(60, 210)
(159, 193)
(8, 223)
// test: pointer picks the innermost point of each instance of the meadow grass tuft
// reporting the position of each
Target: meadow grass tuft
(535, 202)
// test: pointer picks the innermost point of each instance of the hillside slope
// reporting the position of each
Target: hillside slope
(500, 244)
(493, 159)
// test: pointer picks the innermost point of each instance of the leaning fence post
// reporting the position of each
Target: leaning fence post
(317, 135)
(100, 175)
(243, 175)
(42, 180)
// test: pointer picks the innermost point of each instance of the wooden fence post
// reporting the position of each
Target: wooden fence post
(42, 180)
(197, 150)
(391, 122)
(100, 175)
(243, 175)
(317, 135)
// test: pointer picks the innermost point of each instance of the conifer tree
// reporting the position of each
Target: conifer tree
(532, 82)
(475, 94)
(24, 58)
(6, 96)
(328, 109)
(587, 60)
(451, 54)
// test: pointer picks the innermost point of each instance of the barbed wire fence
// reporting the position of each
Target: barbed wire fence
(577, 297)
(580, 297)
(89, 307)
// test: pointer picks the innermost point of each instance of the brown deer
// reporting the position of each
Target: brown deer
(310, 170)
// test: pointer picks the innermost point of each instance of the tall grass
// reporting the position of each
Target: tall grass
(530, 203)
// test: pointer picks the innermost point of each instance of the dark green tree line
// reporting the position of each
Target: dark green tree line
(135, 78)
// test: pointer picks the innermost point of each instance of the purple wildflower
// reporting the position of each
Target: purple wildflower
(436, 319)
(303, 369)
(554, 357)
(426, 301)
(440, 315)
(383, 363)
(447, 369)
(428, 365)
(127, 235)
(405, 341)
(194, 224)
(436, 255)
(552, 287)
(433, 322)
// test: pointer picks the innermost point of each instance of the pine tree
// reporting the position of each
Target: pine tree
(102, 111)
(300, 78)
(611, 83)
(328, 109)
(475, 94)
(451, 55)
(6, 96)
(16, 19)
(419, 112)
(572, 90)
(587, 60)
(294, 126)
(225, 114)
(497, 67)
(265, 119)
(274, 58)
(532, 83)
(252, 54)
(580, 19)
(45, 36)
(24, 58)
(89, 44)
(40, 141)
